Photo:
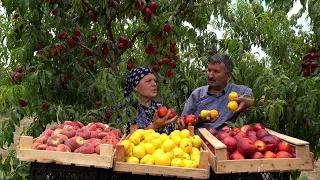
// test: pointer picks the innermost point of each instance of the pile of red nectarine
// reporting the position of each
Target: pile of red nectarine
(73, 136)
(251, 142)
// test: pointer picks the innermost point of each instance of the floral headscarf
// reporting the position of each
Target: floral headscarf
(134, 78)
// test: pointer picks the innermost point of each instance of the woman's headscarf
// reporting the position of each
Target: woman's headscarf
(134, 78)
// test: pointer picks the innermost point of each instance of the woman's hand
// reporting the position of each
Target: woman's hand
(159, 123)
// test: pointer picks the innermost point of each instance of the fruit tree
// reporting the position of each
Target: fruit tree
(68, 60)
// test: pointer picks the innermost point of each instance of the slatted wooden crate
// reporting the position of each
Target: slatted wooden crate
(304, 158)
(202, 172)
(104, 160)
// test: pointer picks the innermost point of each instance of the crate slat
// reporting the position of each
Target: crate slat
(264, 165)
(202, 172)
(287, 138)
(304, 158)
(161, 170)
(25, 153)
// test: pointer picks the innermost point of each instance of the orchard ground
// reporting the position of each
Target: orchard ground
(306, 175)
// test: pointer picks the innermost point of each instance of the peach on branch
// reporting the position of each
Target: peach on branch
(77, 32)
(23, 103)
(18, 76)
(130, 64)
(167, 28)
(93, 38)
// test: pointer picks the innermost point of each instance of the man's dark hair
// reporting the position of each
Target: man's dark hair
(222, 58)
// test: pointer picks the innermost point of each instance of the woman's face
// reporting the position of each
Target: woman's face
(147, 87)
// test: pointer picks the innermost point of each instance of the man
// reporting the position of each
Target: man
(215, 95)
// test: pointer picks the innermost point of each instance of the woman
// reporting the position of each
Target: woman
(143, 82)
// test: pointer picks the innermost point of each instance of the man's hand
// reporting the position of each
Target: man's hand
(208, 119)
(159, 123)
(243, 103)
(180, 123)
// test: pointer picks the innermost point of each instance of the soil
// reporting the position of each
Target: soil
(305, 175)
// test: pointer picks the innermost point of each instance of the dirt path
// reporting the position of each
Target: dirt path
(306, 175)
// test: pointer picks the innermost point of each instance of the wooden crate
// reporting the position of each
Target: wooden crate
(202, 172)
(104, 160)
(304, 158)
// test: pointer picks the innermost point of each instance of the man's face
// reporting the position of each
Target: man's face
(217, 78)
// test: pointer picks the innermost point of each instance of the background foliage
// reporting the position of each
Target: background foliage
(72, 73)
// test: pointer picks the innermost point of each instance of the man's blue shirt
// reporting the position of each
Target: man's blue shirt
(202, 99)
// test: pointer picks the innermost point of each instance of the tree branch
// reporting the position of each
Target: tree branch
(110, 32)
(131, 41)
(85, 2)
(182, 8)
(94, 53)
(90, 73)
(80, 76)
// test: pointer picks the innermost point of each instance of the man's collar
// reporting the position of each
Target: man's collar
(225, 89)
